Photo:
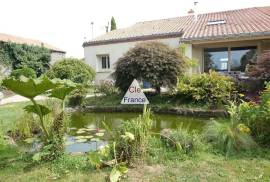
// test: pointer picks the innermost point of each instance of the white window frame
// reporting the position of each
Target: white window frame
(104, 66)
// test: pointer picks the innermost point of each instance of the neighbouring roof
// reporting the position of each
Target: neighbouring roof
(21, 40)
(242, 22)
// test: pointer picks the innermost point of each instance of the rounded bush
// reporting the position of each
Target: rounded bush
(153, 62)
(210, 88)
(27, 72)
(73, 69)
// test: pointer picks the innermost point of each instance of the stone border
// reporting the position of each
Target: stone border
(155, 109)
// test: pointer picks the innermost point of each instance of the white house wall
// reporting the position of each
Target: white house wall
(115, 51)
(56, 56)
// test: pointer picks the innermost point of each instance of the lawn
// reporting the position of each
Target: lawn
(10, 113)
(204, 167)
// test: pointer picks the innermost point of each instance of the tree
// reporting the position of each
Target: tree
(153, 62)
(78, 72)
(262, 68)
(113, 24)
(73, 69)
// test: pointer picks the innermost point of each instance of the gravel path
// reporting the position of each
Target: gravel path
(18, 98)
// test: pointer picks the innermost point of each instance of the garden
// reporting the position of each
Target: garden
(197, 127)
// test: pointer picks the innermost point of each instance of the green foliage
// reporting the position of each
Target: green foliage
(25, 127)
(27, 72)
(113, 24)
(229, 137)
(77, 96)
(209, 88)
(33, 109)
(133, 136)
(106, 87)
(153, 62)
(67, 163)
(255, 116)
(73, 69)
(183, 140)
(29, 87)
(117, 172)
(99, 157)
(22, 55)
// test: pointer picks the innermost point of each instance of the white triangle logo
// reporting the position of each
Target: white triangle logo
(134, 95)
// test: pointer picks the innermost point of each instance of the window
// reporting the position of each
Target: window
(241, 57)
(105, 62)
(216, 59)
(233, 59)
(216, 22)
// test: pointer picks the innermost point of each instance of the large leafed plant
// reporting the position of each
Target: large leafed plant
(30, 88)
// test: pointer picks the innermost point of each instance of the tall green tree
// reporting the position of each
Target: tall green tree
(113, 24)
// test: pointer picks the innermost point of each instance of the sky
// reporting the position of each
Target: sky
(66, 24)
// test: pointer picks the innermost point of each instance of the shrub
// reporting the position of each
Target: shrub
(228, 137)
(77, 96)
(256, 117)
(210, 88)
(153, 62)
(106, 87)
(78, 72)
(182, 140)
(27, 72)
(262, 68)
(25, 127)
(133, 136)
(73, 69)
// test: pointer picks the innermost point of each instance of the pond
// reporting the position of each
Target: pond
(87, 133)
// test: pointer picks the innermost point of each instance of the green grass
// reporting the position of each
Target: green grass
(10, 113)
(205, 166)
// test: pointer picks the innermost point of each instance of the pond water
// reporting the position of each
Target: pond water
(87, 133)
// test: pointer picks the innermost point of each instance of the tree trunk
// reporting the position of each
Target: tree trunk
(158, 90)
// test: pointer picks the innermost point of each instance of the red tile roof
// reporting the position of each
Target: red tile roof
(242, 22)
(21, 40)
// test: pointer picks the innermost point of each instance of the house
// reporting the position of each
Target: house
(224, 41)
(56, 53)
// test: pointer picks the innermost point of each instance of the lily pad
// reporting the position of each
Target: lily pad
(81, 140)
(83, 137)
(69, 143)
(100, 134)
(80, 131)
(95, 140)
(91, 127)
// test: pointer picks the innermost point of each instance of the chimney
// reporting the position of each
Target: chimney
(191, 12)
(195, 11)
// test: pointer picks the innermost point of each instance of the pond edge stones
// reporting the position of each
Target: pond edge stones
(156, 109)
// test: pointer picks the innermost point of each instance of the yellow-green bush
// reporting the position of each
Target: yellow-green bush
(210, 88)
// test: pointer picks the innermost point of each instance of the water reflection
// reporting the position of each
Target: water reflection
(86, 128)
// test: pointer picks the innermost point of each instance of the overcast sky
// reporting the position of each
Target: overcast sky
(67, 23)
